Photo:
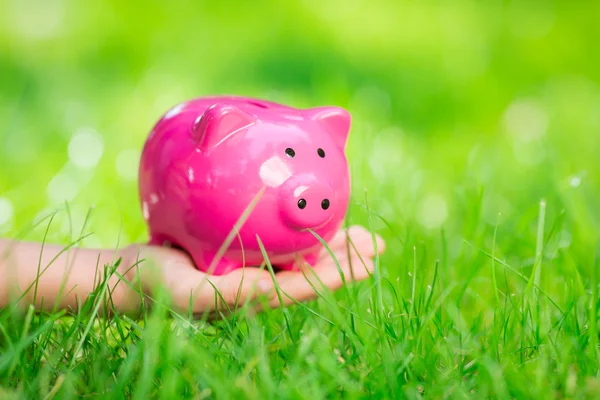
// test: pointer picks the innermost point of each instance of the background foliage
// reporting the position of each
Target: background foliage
(470, 119)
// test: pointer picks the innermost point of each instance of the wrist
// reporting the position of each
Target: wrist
(124, 284)
(141, 273)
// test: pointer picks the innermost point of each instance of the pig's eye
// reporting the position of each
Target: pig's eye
(301, 204)
(321, 153)
(290, 152)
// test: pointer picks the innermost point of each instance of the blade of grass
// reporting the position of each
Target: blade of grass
(376, 267)
(520, 275)
(534, 280)
(495, 283)
(277, 288)
(593, 309)
(36, 283)
(413, 288)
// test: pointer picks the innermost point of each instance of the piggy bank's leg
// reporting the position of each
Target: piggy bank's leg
(222, 267)
(156, 239)
(311, 259)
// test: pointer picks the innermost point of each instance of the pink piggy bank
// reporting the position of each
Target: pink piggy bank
(216, 173)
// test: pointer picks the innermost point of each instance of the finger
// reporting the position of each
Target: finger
(365, 248)
(362, 249)
(326, 274)
(339, 239)
(356, 240)
(207, 293)
(243, 285)
(297, 287)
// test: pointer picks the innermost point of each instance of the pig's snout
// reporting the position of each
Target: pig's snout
(306, 202)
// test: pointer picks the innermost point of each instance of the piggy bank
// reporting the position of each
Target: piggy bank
(219, 176)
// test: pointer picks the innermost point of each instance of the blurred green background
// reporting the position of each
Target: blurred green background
(466, 114)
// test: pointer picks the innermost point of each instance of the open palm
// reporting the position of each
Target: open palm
(353, 252)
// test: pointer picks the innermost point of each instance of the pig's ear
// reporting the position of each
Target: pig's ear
(334, 120)
(218, 123)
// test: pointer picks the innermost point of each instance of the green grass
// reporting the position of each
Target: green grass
(423, 335)
(474, 153)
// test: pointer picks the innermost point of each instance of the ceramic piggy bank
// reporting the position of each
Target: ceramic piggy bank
(217, 173)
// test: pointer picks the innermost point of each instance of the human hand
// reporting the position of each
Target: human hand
(174, 269)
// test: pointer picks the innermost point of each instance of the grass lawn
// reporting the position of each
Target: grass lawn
(474, 153)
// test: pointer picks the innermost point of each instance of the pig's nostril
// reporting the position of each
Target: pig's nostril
(325, 204)
(301, 204)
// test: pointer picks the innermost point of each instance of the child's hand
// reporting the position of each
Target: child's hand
(175, 271)
(66, 278)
